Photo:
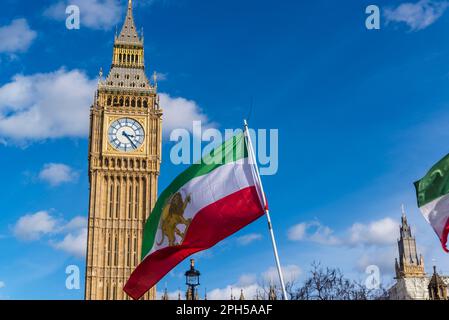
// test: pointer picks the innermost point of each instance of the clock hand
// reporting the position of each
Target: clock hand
(129, 138)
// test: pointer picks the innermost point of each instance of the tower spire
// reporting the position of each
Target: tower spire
(410, 263)
(129, 35)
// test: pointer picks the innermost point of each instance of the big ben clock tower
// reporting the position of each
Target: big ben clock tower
(124, 163)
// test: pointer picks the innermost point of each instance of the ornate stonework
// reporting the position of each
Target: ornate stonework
(410, 289)
(410, 265)
(124, 162)
(437, 286)
(412, 282)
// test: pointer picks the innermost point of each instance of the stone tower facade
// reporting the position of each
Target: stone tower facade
(412, 283)
(410, 265)
(437, 287)
(124, 162)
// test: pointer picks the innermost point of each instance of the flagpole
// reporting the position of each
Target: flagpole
(267, 211)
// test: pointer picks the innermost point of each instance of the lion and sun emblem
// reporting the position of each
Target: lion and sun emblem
(173, 217)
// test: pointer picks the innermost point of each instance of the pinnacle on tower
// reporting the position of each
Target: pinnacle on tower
(165, 295)
(242, 296)
(129, 35)
(272, 293)
(404, 216)
(437, 287)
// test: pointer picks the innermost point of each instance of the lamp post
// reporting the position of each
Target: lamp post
(192, 281)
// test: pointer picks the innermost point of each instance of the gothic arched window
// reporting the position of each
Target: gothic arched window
(144, 194)
(108, 252)
(135, 251)
(117, 209)
(130, 203)
(136, 204)
(111, 200)
(128, 258)
(116, 252)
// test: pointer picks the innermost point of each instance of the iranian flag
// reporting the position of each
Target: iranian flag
(208, 202)
(432, 192)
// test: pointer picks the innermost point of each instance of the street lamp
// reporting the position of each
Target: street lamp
(192, 281)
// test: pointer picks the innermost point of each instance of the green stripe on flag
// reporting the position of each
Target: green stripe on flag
(230, 151)
(435, 183)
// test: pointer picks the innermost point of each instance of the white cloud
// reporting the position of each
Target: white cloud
(247, 279)
(94, 14)
(180, 113)
(2, 284)
(33, 226)
(376, 233)
(380, 232)
(297, 232)
(290, 272)
(46, 105)
(161, 76)
(16, 37)
(249, 291)
(56, 174)
(56, 104)
(417, 16)
(382, 258)
(75, 224)
(250, 286)
(312, 231)
(249, 238)
(74, 243)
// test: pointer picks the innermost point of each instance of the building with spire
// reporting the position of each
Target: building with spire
(272, 293)
(242, 296)
(165, 296)
(437, 287)
(125, 143)
(412, 282)
(410, 265)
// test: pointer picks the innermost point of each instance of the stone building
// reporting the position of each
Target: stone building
(437, 287)
(412, 282)
(124, 161)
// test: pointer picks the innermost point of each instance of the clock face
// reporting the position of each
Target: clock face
(126, 134)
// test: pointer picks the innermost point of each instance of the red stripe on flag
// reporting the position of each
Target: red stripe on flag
(212, 224)
(444, 236)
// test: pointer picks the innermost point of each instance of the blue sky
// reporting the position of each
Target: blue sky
(361, 115)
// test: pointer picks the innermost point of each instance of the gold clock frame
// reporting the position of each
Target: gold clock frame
(109, 149)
